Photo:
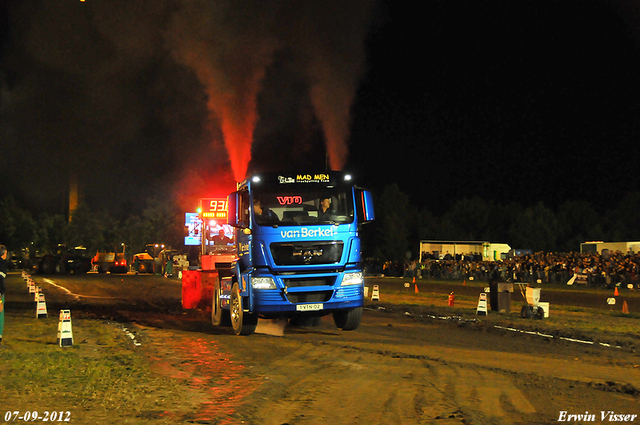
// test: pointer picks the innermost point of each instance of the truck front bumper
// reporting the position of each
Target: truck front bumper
(299, 294)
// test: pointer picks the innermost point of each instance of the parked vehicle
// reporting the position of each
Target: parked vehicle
(63, 259)
(109, 262)
(143, 263)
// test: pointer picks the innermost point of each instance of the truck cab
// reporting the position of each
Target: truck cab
(298, 249)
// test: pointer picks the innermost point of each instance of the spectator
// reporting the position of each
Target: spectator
(263, 214)
(221, 239)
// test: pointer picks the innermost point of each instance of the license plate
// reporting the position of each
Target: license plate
(309, 307)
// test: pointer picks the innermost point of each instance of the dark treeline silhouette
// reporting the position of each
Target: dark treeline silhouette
(393, 236)
(97, 230)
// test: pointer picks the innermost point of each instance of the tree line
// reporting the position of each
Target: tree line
(21, 231)
(394, 235)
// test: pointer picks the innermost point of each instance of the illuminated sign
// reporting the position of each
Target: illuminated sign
(194, 229)
(312, 178)
(305, 178)
(213, 208)
(288, 200)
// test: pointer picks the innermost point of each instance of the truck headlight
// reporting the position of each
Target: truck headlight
(354, 278)
(263, 283)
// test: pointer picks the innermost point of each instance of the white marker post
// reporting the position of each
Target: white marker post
(482, 305)
(65, 333)
(41, 309)
(375, 296)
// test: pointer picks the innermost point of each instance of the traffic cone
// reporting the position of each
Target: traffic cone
(65, 333)
(414, 279)
(417, 288)
(464, 283)
(625, 308)
(451, 299)
(41, 309)
(615, 293)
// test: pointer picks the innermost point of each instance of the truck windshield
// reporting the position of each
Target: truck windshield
(303, 205)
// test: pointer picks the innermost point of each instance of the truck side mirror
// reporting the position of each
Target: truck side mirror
(238, 210)
(364, 205)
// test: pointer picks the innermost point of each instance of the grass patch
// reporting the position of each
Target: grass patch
(97, 376)
(607, 326)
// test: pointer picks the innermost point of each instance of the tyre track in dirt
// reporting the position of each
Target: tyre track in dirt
(393, 369)
(386, 388)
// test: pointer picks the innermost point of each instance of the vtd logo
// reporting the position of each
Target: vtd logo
(288, 200)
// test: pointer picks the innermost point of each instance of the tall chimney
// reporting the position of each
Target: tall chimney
(73, 195)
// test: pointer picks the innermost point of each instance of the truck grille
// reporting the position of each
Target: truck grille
(301, 282)
(309, 297)
(291, 254)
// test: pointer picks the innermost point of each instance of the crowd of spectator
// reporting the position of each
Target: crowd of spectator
(593, 269)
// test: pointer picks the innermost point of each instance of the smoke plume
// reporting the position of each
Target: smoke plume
(140, 97)
(231, 47)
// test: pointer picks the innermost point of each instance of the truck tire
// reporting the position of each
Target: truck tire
(243, 323)
(219, 316)
(348, 320)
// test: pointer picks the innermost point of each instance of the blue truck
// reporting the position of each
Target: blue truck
(296, 253)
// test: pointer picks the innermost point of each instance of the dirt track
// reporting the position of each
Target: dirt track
(395, 368)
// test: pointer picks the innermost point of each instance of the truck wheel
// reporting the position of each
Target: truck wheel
(219, 316)
(348, 320)
(243, 323)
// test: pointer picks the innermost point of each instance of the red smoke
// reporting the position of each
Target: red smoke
(198, 182)
(334, 116)
(238, 116)
(229, 45)
(237, 139)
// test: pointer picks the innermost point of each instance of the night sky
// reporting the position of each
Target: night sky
(525, 101)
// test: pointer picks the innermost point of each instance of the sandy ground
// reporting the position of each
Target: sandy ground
(395, 368)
